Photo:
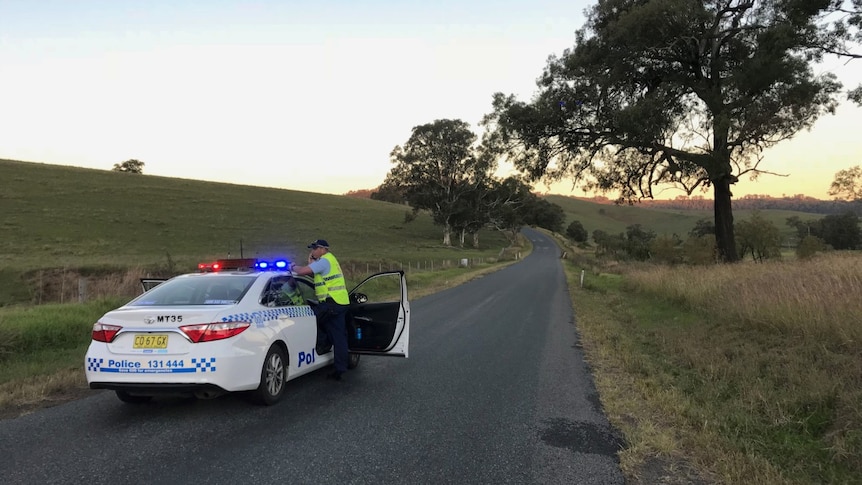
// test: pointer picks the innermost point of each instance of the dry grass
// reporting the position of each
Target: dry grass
(748, 373)
(23, 396)
(816, 299)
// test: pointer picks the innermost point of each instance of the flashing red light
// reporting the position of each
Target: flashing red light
(103, 332)
(207, 332)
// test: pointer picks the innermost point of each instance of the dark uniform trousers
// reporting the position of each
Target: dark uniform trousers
(331, 318)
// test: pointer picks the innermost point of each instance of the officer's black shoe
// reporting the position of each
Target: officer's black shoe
(335, 375)
(322, 350)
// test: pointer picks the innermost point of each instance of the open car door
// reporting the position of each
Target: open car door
(148, 283)
(378, 322)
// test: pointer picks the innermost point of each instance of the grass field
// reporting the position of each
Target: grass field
(55, 216)
(68, 219)
(736, 374)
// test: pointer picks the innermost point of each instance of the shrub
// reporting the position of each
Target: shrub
(699, 250)
(665, 249)
(809, 246)
(576, 232)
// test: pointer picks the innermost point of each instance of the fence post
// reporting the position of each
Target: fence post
(82, 290)
(582, 278)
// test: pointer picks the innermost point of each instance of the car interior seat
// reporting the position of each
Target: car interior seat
(219, 292)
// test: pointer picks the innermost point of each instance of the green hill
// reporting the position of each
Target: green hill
(54, 216)
(61, 217)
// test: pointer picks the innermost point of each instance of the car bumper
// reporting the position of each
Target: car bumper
(211, 367)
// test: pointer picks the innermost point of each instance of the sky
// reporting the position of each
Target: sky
(302, 95)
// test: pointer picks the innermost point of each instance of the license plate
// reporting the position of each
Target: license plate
(150, 341)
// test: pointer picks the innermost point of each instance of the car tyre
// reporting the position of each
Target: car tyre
(132, 398)
(273, 377)
(353, 361)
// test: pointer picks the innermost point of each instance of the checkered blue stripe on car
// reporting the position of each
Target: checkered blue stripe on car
(205, 364)
(94, 363)
(270, 314)
(97, 364)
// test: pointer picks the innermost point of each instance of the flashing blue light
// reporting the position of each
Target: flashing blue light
(279, 264)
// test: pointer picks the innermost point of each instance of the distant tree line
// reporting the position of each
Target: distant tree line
(757, 238)
(798, 203)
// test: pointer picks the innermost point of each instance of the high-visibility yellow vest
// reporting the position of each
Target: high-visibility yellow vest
(333, 284)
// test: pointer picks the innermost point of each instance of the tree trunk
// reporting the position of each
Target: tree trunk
(725, 240)
(447, 235)
(476, 239)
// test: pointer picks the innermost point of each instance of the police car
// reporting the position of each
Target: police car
(236, 325)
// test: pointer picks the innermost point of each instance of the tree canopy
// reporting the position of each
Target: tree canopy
(680, 92)
(441, 169)
(847, 184)
(577, 232)
(438, 169)
(129, 166)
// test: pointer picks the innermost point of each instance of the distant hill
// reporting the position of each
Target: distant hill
(614, 219)
(796, 203)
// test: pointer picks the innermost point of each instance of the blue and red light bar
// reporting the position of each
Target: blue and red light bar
(244, 264)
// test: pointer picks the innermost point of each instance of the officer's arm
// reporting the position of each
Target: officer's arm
(301, 270)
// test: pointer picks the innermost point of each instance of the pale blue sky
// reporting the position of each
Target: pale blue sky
(297, 94)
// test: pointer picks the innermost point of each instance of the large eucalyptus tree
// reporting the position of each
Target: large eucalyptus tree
(438, 169)
(681, 92)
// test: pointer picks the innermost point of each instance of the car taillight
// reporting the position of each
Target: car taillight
(103, 332)
(207, 332)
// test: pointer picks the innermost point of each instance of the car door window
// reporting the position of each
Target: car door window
(373, 321)
(382, 288)
(283, 290)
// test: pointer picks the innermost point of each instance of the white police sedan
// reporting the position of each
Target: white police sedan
(236, 326)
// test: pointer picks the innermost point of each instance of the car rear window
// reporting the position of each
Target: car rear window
(205, 290)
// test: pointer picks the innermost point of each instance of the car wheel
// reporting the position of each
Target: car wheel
(132, 398)
(353, 361)
(273, 377)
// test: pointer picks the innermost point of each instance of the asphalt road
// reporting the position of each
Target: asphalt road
(495, 391)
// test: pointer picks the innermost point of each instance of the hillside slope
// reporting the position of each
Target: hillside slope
(54, 216)
(69, 218)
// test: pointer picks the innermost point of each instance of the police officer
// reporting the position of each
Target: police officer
(333, 300)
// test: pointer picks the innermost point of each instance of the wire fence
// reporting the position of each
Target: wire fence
(70, 286)
(367, 268)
